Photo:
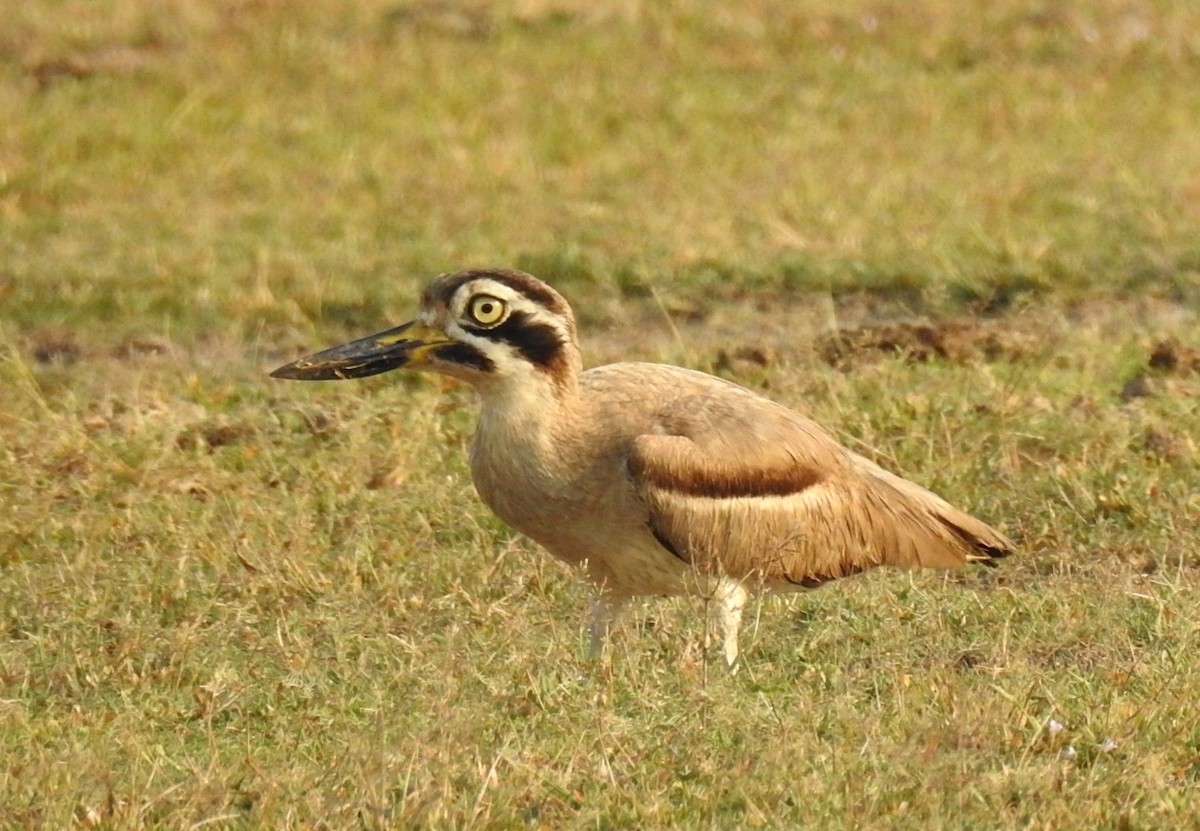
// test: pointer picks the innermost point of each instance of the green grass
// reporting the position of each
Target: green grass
(231, 602)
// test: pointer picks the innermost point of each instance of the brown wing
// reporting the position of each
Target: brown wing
(739, 485)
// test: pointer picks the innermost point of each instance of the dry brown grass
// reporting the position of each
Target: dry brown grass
(958, 237)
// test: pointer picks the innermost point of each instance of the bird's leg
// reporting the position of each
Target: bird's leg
(730, 597)
(603, 613)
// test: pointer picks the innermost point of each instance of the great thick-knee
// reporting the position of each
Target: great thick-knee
(656, 479)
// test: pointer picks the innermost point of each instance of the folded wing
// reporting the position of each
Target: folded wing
(761, 492)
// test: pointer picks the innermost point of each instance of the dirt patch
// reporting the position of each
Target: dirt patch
(1171, 356)
(116, 60)
(1166, 444)
(437, 18)
(730, 360)
(54, 345)
(956, 341)
(133, 347)
(735, 327)
(211, 436)
(1171, 369)
(62, 345)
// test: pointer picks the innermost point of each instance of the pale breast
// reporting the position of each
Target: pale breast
(563, 478)
(564, 482)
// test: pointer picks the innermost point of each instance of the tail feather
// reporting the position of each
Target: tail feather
(943, 535)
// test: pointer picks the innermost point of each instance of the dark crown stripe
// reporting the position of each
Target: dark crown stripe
(531, 289)
(535, 292)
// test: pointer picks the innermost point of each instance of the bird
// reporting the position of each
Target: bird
(654, 479)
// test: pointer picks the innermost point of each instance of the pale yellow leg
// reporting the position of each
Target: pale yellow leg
(604, 612)
(730, 598)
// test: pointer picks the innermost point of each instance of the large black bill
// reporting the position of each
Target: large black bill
(357, 359)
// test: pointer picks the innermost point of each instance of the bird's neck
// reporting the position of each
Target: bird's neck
(523, 428)
(526, 411)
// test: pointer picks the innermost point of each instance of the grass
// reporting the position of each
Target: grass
(231, 602)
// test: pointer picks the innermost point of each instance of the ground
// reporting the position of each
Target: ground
(962, 238)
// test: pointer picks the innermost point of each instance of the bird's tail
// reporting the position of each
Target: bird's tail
(937, 535)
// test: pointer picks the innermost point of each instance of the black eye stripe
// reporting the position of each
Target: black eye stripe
(465, 354)
(538, 343)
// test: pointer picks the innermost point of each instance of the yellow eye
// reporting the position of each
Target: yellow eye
(486, 310)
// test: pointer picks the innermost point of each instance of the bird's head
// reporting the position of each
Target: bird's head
(482, 326)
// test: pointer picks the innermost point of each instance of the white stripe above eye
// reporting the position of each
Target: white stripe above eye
(515, 300)
(494, 349)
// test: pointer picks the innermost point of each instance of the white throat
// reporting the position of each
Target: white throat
(522, 405)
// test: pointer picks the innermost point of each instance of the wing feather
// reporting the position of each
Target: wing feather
(742, 486)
